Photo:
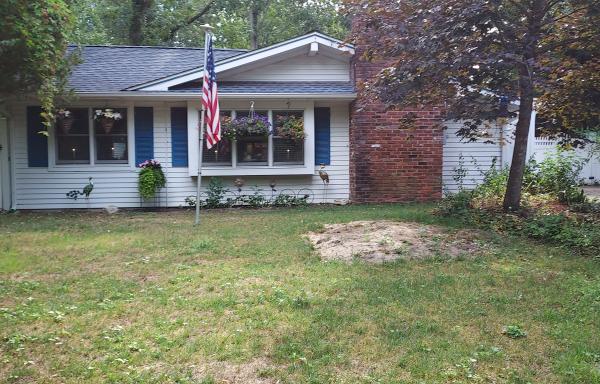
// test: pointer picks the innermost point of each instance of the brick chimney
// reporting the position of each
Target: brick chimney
(389, 161)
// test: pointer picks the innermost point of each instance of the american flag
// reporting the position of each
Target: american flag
(210, 99)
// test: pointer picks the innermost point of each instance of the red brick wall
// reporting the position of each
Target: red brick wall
(391, 162)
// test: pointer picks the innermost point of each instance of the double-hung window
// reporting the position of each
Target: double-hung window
(110, 138)
(252, 150)
(79, 138)
(72, 136)
(286, 150)
(221, 153)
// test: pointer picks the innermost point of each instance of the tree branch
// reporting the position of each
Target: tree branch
(190, 20)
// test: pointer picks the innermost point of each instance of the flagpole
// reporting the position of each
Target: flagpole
(207, 35)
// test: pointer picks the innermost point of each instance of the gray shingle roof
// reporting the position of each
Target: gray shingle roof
(113, 68)
(252, 87)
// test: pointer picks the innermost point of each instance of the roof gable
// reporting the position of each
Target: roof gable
(311, 43)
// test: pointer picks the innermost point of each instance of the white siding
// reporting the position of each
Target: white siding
(475, 158)
(297, 68)
(45, 188)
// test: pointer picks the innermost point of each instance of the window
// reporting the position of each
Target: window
(219, 154)
(252, 150)
(111, 138)
(73, 137)
(277, 149)
(81, 139)
(285, 149)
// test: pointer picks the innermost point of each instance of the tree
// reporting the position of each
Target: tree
(239, 23)
(33, 48)
(475, 56)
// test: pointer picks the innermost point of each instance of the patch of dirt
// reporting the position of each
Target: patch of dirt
(252, 372)
(383, 241)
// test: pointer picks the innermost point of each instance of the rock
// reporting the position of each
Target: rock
(111, 209)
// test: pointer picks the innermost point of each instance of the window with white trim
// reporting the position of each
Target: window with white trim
(81, 137)
(221, 153)
(72, 136)
(258, 150)
(110, 136)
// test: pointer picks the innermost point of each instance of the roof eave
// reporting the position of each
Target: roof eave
(191, 96)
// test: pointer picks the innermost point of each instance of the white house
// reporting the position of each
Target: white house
(367, 155)
(157, 90)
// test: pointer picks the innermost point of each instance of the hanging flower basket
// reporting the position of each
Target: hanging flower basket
(150, 179)
(290, 127)
(65, 120)
(256, 125)
(107, 117)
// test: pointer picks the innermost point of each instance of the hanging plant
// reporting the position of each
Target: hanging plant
(65, 120)
(107, 117)
(151, 178)
(256, 125)
(227, 130)
(290, 127)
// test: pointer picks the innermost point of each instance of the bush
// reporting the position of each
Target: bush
(215, 192)
(458, 203)
(559, 174)
(554, 180)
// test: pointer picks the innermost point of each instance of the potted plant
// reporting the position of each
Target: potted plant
(290, 127)
(107, 117)
(65, 120)
(151, 178)
(256, 125)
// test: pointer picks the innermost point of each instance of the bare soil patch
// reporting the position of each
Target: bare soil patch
(383, 241)
(252, 372)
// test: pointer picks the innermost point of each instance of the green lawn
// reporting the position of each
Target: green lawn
(146, 297)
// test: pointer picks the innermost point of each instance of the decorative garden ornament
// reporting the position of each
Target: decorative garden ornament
(325, 178)
(239, 183)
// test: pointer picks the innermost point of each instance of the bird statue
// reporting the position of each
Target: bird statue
(88, 188)
(74, 194)
(325, 177)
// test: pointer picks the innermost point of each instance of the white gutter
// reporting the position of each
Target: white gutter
(193, 96)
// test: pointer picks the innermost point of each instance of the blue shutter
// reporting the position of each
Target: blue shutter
(322, 136)
(179, 137)
(144, 134)
(37, 144)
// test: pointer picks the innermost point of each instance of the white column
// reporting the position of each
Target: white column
(193, 122)
(309, 142)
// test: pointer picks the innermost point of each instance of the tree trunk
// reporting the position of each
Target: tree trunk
(512, 198)
(139, 8)
(253, 21)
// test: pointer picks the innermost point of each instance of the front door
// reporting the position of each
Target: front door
(4, 168)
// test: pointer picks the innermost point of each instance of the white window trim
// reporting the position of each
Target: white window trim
(53, 165)
(234, 169)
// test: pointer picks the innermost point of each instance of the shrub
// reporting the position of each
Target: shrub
(458, 203)
(546, 183)
(559, 174)
(215, 193)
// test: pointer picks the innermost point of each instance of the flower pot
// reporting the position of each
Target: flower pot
(106, 124)
(65, 124)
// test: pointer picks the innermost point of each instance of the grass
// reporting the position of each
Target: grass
(147, 298)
